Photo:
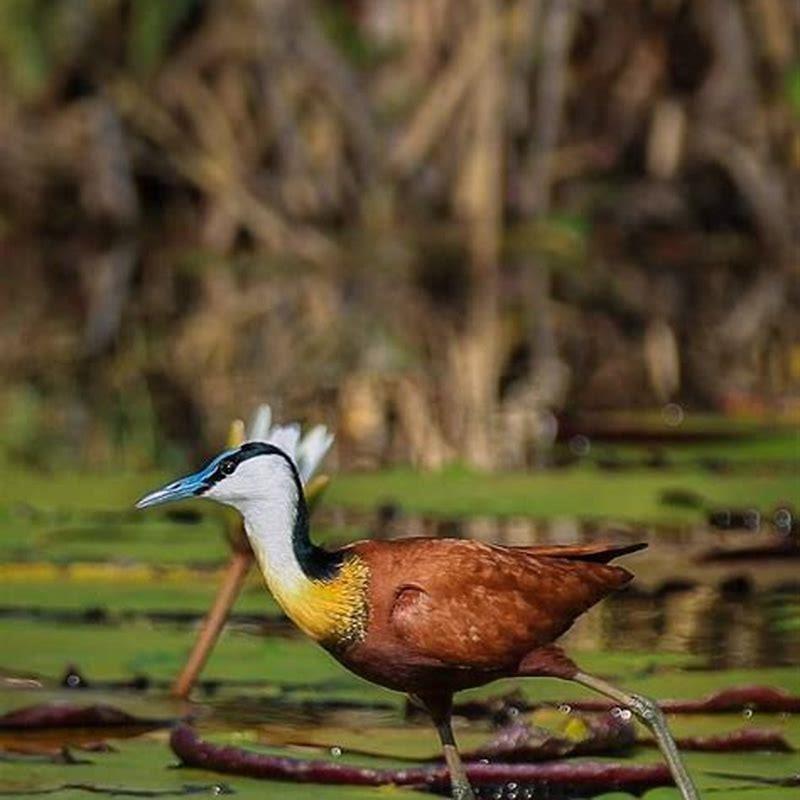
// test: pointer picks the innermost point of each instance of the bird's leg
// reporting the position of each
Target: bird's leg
(649, 712)
(458, 777)
(441, 710)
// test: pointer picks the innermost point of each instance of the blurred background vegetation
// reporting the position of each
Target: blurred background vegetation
(442, 227)
(451, 229)
(555, 239)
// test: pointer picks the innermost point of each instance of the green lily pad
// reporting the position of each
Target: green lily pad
(580, 492)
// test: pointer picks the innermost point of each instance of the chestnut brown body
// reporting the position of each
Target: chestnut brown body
(450, 614)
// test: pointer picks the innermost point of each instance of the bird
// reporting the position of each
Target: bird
(428, 617)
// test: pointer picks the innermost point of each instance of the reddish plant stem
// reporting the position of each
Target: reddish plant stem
(195, 752)
(736, 698)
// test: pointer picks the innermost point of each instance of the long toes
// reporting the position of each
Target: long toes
(645, 708)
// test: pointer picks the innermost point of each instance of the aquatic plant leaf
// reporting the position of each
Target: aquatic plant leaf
(583, 734)
(40, 755)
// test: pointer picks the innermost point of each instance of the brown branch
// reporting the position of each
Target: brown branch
(215, 176)
(761, 187)
(428, 123)
(556, 36)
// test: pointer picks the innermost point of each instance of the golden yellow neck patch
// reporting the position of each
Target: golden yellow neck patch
(334, 611)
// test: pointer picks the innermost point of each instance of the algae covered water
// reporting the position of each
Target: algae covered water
(99, 606)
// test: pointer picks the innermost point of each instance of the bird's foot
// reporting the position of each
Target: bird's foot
(649, 712)
(463, 791)
(646, 709)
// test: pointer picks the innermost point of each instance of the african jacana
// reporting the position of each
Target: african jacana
(427, 617)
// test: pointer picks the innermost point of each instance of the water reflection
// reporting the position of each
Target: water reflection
(723, 630)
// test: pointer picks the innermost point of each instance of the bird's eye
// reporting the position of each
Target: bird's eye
(227, 467)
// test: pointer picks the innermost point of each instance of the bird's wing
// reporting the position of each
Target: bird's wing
(466, 604)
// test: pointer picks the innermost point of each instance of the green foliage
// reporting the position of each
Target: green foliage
(122, 591)
(104, 652)
(152, 23)
(37, 36)
(582, 491)
(147, 765)
(337, 22)
(21, 422)
(116, 653)
(632, 495)
(147, 562)
(24, 50)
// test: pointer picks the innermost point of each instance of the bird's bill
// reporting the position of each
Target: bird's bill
(190, 486)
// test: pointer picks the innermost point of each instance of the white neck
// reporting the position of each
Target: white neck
(269, 523)
(265, 491)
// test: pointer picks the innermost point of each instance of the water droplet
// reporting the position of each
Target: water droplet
(747, 713)
(673, 414)
(752, 519)
(783, 520)
(73, 679)
(336, 751)
(511, 786)
(565, 708)
(580, 445)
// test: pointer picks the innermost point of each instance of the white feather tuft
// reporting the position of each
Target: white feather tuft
(312, 449)
(286, 437)
(306, 451)
(260, 423)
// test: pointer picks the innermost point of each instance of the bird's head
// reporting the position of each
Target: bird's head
(271, 467)
(256, 472)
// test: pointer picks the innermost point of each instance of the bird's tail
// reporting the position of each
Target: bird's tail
(600, 553)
